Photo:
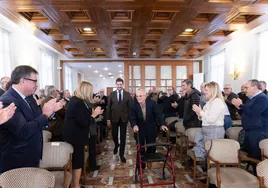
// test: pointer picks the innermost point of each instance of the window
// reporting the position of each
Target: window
(46, 73)
(68, 79)
(166, 77)
(5, 55)
(262, 56)
(216, 68)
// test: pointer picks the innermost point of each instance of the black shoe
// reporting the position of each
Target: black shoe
(123, 159)
(97, 167)
(116, 149)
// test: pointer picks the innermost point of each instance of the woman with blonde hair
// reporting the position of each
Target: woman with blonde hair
(212, 116)
(79, 125)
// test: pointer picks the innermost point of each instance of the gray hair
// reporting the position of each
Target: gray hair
(255, 82)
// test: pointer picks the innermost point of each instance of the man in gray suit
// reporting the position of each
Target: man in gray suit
(117, 116)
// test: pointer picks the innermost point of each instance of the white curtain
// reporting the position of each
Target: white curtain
(262, 56)
(46, 72)
(217, 62)
(68, 79)
(5, 55)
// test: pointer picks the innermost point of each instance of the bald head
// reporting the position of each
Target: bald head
(141, 96)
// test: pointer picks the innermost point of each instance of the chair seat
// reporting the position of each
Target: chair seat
(59, 180)
(234, 177)
(154, 157)
(191, 154)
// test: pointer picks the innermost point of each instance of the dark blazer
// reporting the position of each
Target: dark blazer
(2, 91)
(77, 121)
(21, 137)
(115, 111)
(154, 117)
(254, 116)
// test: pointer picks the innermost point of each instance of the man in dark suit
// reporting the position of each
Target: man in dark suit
(228, 97)
(144, 119)
(21, 137)
(117, 116)
(3, 84)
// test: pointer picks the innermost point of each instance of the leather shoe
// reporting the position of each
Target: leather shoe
(116, 149)
(123, 159)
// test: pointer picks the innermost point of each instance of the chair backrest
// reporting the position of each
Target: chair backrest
(27, 178)
(233, 132)
(171, 119)
(263, 144)
(56, 154)
(262, 171)
(223, 150)
(191, 133)
(46, 136)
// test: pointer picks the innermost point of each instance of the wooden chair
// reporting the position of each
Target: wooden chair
(262, 172)
(27, 178)
(233, 133)
(180, 137)
(46, 136)
(190, 142)
(57, 158)
(222, 153)
(263, 144)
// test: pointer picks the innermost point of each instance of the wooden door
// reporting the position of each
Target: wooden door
(109, 90)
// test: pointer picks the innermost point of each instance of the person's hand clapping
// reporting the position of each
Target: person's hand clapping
(97, 111)
(136, 129)
(48, 108)
(6, 113)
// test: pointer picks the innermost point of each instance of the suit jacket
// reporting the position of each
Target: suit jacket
(21, 140)
(154, 117)
(115, 111)
(77, 121)
(2, 91)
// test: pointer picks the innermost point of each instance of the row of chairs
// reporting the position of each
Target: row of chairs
(55, 168)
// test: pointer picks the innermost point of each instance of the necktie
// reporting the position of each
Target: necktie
(120, 97)
(28, 100)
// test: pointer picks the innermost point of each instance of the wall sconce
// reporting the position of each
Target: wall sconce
(235, 72)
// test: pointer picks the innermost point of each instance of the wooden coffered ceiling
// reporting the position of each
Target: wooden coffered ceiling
(150, 28)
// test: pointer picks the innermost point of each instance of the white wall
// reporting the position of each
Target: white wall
(25, 48)
(98, 83)
(241, 51)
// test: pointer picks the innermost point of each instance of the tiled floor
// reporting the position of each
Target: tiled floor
(113, 173)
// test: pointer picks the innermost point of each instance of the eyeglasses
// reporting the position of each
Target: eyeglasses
(35, 81)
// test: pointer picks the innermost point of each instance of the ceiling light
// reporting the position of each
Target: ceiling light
(112, 77)
(89, 66)
(105, 68)
(120, 71)
(134, 53)
(109, 73)
(119, 65)
(120, 75)
(87, 29)
(96, 71)
(104, 78)
(189, 30)
(101, 75)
